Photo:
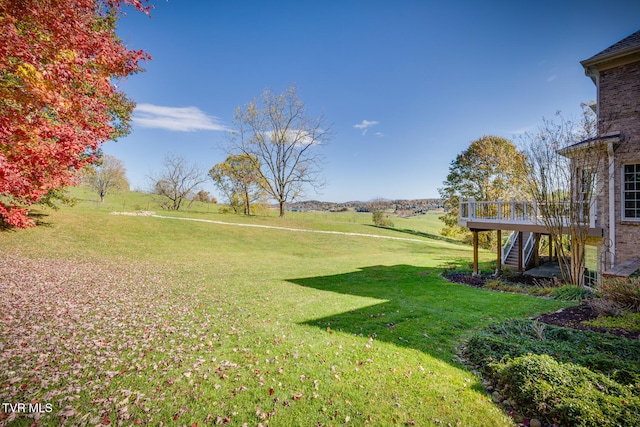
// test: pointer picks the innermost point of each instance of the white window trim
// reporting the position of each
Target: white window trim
(622, 199)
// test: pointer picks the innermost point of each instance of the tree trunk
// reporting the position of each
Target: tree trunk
(577, 262)
(281, 208)
(247, 203)
(561, 255)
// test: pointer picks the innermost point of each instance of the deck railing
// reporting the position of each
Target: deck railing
(528, 212)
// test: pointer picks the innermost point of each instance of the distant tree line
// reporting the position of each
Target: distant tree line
(398, 207)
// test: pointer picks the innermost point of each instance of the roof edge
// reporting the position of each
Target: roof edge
(569, 150)
(626, 50)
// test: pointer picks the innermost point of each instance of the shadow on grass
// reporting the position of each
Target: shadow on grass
(36, 216)
(421, 311)
(40, 219)
(420, 234)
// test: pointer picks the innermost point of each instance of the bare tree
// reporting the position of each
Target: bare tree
(563, 164)
(109, 174)
(283, 140)
(177, 182)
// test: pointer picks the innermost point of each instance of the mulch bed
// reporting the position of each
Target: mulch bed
(480, 280)
(572, 317)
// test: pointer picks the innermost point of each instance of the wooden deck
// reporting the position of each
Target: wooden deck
(515, 216)
(480, 224)
(522, 217)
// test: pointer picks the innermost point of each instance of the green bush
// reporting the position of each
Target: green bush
(567, 393)
(628, 321)
(607, 354)
(378, 218)
(570, 293)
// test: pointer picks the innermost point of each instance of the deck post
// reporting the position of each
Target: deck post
(550, 248)
(520, 249)
(499, 252)
(536, 249)
(475, 251)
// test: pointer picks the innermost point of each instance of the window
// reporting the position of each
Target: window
(587, 183)
(587, 195)
(631, 192)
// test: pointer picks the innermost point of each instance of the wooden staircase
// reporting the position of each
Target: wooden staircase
(510, 259)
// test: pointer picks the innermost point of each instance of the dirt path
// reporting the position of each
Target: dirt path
(300, 230)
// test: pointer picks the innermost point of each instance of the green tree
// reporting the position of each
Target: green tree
(491, 168)
(379, 216)
(106, 175)
(277, 132)
(239, 179)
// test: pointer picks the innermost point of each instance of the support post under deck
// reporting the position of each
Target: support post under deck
(520, 248)
(475, 252)
(499, 254)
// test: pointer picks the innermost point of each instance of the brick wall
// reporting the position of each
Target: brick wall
(619, 98)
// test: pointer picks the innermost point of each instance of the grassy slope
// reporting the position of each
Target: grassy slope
(294, 314)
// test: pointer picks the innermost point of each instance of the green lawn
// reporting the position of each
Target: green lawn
(149, 320)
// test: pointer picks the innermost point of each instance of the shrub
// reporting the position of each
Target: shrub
(570, 293)
(495, 284)
(606, 307)
(544, 282)
(624, 293)
(628, 321)
(380, 220)
(603, 353)
(569, 394)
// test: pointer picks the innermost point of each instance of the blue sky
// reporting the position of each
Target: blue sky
(406, 85)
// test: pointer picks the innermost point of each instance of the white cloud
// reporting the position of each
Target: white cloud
(365, 125)
(297, 137)
(524, 129)
(180, 119)
(379, 134)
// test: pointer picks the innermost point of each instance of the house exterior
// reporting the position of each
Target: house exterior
(614, 219)
(616, 73)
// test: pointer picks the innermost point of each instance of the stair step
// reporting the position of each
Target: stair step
(513, 256)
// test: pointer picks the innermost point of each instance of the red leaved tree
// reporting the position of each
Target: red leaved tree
(59, 64)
